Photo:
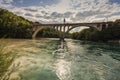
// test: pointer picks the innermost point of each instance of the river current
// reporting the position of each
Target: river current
(50, 59)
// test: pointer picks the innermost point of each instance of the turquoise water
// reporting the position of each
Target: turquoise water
(50, 59)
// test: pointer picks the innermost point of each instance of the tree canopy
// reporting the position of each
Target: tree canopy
(13, 26)
(91, 34)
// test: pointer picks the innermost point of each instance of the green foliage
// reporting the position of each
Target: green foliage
(111, 33)
(13, 26)
(85, 34)
(48, 32)
(91, 34)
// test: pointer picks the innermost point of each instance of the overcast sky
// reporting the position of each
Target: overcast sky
(53, 11)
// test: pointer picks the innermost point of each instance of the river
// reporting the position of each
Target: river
(50, 59)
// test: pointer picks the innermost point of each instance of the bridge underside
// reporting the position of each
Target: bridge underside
(64, 29)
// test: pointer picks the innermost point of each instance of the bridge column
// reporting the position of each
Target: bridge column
(68, 28)
(57, 28)
(54, 27)
(60, 32)
(63, 32)
(106, 25)
(99, 27)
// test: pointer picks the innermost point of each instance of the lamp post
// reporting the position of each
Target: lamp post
(106, 22)
(64, 20)
(64, 29)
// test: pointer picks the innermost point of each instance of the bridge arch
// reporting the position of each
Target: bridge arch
(66, 27)
(37, 31)
(60, 28)
(90, 26)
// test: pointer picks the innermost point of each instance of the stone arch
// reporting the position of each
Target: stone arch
(36, 32)
(90, 26)
(98, 26)
(38, 29)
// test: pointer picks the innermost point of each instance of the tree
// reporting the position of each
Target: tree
(110, 33)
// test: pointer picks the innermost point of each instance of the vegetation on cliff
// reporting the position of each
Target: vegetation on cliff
(92, 34)
(48, 32)
(13, 26)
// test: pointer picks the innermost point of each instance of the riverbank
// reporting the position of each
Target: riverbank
(114, 41)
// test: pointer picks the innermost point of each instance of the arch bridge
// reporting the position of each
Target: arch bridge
(64, 28)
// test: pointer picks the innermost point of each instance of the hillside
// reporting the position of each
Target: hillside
(13, 26)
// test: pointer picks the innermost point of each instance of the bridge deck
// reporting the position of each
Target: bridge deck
(73, 24)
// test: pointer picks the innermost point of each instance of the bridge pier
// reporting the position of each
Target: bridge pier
(62, 33)
(62, 39)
